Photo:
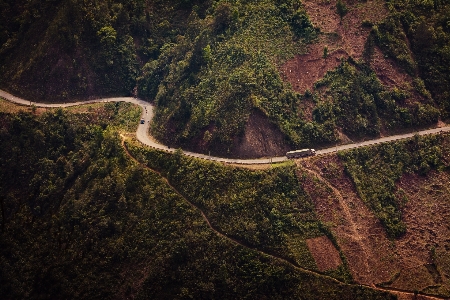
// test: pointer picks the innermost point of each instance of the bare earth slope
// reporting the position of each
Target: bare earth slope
(341, 38)
(418, 261)
(261, 138)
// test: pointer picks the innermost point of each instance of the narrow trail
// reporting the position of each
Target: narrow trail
(355, 236)
(273, 256)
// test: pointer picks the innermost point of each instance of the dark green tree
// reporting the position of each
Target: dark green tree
(341, 9)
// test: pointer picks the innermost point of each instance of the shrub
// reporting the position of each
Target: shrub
(341, 9)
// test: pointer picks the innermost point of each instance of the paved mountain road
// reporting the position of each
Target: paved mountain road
(147, 115)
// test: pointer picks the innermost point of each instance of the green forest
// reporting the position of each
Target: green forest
(210, 65)
(81, 219)
(89, 212)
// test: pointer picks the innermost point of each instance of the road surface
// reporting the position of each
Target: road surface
(147, 114)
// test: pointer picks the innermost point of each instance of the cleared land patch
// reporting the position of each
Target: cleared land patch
(325, 254)
(358, 232)
(341, 39)
(417, 261)
(424, 250)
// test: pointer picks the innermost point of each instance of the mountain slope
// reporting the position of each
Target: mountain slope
(213, 68)
(80, 218)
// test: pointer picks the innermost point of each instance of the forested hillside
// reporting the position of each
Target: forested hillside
(81, 219)
(58, 50)
(88, 212)
(221, 72)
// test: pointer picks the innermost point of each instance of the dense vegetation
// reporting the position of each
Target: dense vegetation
(209, 82)
(80, 219)
(59, 50)
(376, 169)
(415, 34)
(207, 64)
(353, 89)
(267, 210)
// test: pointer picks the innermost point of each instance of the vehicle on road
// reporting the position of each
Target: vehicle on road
(142, 121)
(300, 153)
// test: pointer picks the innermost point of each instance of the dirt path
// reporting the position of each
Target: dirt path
(354, 234)
(220, 233)
(370, 255)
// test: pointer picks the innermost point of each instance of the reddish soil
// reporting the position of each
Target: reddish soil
(427, 216)
(392, 76)
(342, 39)
(306, 107)
(304, 70)
(351, 32)
(403, 296)
(325, 254)
(261, 138)
(388, 72)
(359, 234)
(406, 263)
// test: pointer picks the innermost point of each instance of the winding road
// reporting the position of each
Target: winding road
(143, 137)
(147, 115)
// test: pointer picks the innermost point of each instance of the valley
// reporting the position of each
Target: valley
(143, 149)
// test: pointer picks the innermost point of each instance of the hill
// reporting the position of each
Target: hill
(87, 212)
(237, 78)
(81, 218)
(388, 205)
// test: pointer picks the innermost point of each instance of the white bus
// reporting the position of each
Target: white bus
(300, 153)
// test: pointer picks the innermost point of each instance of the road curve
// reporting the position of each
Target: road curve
(147, 115)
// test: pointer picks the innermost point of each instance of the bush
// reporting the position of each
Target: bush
(341, 9)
